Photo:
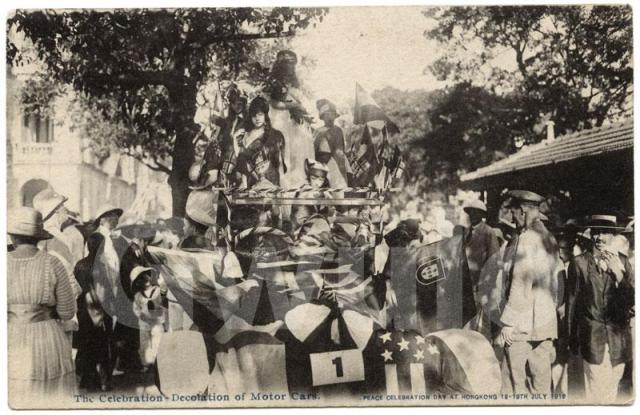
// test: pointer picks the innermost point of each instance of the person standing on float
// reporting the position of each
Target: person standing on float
(288, 115)
(329, 145)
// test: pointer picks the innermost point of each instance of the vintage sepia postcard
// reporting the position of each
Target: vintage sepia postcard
(315, 207)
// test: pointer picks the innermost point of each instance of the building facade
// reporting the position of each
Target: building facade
(48, 152)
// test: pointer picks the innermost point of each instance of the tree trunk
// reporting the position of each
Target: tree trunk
(183, 100)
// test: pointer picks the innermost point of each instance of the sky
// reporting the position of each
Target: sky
(375, 47)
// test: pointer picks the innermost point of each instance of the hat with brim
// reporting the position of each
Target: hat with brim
(475, 205)
(47, 202)
(286, 56)
(144, 231)
(316, 168)
(525, 196)
(202, 207)
(107, 210)
(138, 270)
(26, 221)
(604, 222)
(326, 108)
(585, 235)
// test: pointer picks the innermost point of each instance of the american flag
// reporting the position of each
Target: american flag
(405, 354)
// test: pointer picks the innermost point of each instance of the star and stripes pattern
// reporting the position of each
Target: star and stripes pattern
(405, 354)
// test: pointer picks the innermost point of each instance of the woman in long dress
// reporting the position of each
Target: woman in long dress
(41, 372)
(288, 115)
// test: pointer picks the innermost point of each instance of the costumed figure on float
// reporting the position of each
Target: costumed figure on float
(289, 116)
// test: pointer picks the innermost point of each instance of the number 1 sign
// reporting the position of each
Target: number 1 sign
(337, 367)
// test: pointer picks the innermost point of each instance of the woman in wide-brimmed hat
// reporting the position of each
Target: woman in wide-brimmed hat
(39, 294)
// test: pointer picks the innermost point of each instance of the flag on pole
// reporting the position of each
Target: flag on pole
(366, 110)
(364, 161)
(217, 109)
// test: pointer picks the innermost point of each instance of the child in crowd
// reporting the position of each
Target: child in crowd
(149, 305)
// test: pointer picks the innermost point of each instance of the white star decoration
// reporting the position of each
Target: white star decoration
(432, 349)
(386, 337)
(386, 355)
(404, 345)
(419, 340)
(419, 355)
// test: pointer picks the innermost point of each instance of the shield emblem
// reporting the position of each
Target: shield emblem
(430, 270)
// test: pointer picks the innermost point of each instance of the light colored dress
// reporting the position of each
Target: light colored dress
(298, 143)
(41, 370)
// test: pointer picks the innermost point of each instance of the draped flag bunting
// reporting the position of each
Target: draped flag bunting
(466, 363)
(435, 284)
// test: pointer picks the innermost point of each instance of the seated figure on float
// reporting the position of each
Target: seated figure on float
(316, 187)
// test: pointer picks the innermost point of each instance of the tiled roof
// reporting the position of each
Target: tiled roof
(586, 143)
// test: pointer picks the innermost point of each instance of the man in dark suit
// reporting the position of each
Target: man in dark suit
(480, 244)
(600, 306)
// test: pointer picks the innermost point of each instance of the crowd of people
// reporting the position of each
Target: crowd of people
(556, 300)
(556, 303)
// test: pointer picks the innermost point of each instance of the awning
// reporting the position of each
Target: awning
(582, 144)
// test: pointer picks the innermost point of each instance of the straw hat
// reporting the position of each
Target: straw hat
(202, 207)
(475, 204)
(609, 222)
(138, 270)
(26, 221)
(47, 202)
(105, 210)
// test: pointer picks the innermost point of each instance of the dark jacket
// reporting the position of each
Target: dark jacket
(599, 310)
(481, 243)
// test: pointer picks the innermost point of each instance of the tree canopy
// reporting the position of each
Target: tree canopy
(512, 69)
(570, 63)
(143, 68)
